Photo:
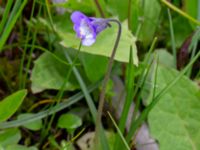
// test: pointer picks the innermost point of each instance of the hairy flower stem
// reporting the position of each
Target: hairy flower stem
(105, 82)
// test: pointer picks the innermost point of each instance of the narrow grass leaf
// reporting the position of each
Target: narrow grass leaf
(172, 35)
(119, 132)
(193, 47)
(5, 15)
(129, 98)
(142, 79)
(16, 11)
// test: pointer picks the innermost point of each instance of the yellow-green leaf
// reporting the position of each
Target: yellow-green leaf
(10, 104)
(175, 120)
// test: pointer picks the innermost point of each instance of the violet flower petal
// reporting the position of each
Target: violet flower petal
(77, 16)
(87, 28)
(87, 33)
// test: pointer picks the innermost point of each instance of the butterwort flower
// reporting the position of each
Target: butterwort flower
(87, 28)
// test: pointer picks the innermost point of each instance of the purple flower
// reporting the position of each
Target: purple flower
(87, 28)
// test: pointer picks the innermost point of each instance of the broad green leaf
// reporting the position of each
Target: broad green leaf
(9, 136)
(10, 104)
(36, 125)
(164, 58)
(69, 122)
(49, 73)
(175, 120)
(20, 147)
(91, 63)
(105, 42)
(150, 20)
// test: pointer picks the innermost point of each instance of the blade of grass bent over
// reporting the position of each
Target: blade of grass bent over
(66, 103)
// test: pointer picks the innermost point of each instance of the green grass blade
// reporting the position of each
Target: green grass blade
(16, 11)
(83, 87)
(60, 94)
(155, 78)
(129, 98)
(198, 17)
(46, 50)
(138, 99)
(150, 50)
(119, 132)
(193, 48)
(49, 15)
(21, 81)
(142, 79)
(5, 15)
(89, 101)
(39, 48)
(172, 35)
(141, 82)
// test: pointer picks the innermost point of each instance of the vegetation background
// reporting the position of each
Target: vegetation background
(49, 90)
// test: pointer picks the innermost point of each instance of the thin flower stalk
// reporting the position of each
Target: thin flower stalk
(87, 29)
